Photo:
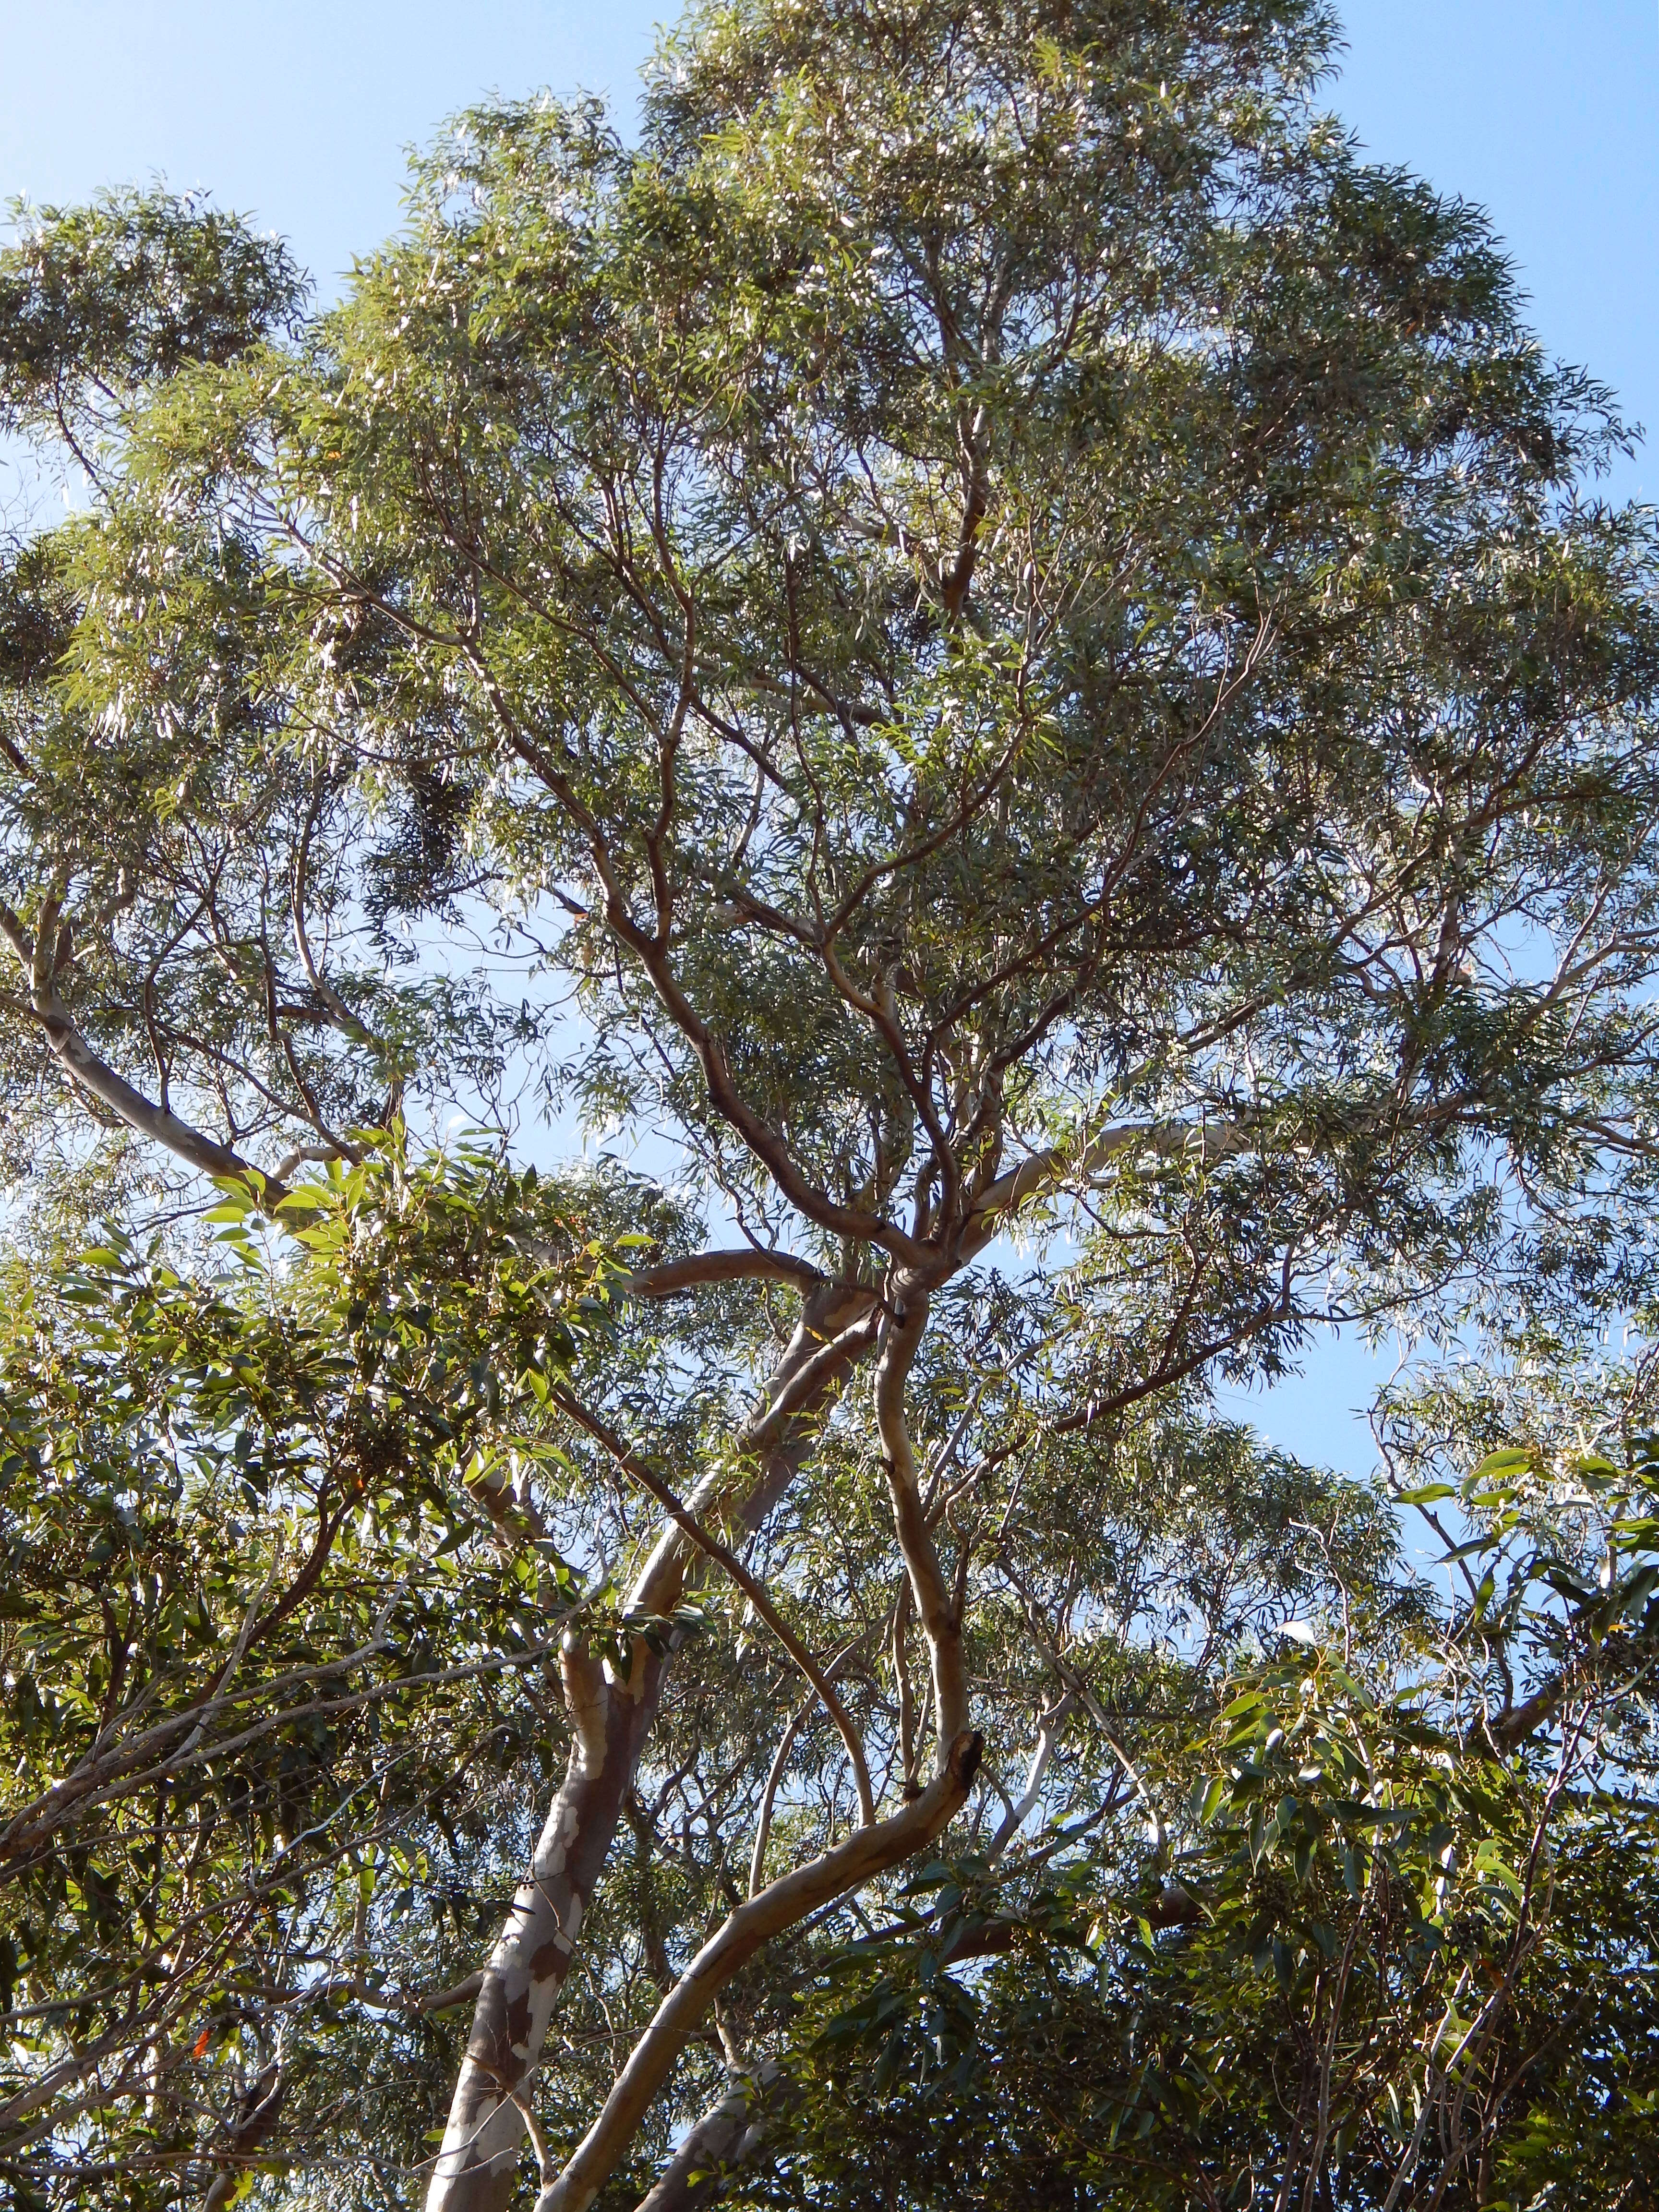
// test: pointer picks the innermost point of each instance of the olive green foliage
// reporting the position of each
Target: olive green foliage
(1012, 658)
(1392, 1947)
(275, 1641)
(285, 1581)
(98, 302)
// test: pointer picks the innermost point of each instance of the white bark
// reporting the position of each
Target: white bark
(476, 2168)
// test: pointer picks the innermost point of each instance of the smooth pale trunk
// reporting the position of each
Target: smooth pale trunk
(477, 2168)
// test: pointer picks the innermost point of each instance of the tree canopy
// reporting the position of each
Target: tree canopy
(992, 656)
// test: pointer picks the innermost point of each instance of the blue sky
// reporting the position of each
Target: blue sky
(297, 112)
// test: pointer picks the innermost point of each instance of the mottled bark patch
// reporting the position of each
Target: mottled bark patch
(547, 1958)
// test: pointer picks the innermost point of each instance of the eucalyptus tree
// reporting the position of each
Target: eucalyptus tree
(1021, 648)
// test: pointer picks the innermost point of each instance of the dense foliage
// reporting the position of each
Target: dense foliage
(1400, 1950)
(996, 658)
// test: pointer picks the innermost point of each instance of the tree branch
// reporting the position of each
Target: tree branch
(729, 2132)
(1049, 1733)
(649, 1479)
(866, 1852)
(941, 1622)
(774, 1773)
(91, 1073)
(477, 2168)
(669, 1278)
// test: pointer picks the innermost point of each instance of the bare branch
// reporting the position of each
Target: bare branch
(669, 1278)
(780, 1759)
(941, 1622)
(729, 2132)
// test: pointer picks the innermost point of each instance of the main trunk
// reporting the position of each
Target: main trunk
(477, 2169)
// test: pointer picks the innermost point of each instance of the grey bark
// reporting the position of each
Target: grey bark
(477, 2168)
(728, 2134)
(42, 958)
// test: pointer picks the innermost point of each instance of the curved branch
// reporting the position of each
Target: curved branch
(40, 958)
(669, 1278)
(866, 1852)
(476, 2170)
(728, 2133)
(1049, 1733)
(941, 1621)
(774, 1774)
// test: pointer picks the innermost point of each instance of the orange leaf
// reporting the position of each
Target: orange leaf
(201, 2043)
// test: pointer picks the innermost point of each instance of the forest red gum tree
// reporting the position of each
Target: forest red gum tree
(1027, 636)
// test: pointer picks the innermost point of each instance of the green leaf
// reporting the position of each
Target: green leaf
(1497, 1465)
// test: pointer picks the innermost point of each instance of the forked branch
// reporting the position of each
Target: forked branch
(641, 1472)
(42, 956)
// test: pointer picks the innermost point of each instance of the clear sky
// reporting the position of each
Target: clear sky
(297, 112)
